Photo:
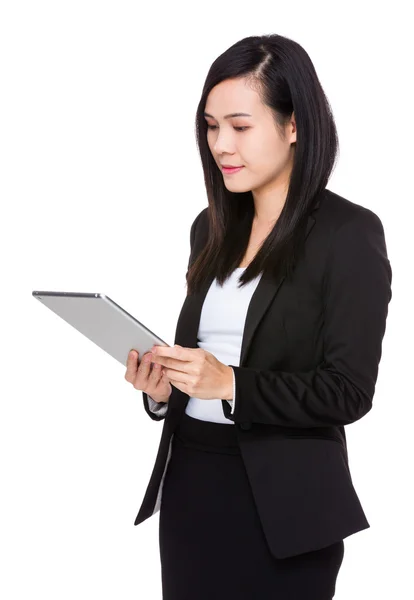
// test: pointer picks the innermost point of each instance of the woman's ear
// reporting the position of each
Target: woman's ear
(292, 128)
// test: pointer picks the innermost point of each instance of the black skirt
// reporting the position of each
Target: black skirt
(212, 545)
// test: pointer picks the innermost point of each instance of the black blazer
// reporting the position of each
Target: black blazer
(308, 366)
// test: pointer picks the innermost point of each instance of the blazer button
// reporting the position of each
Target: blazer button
(246, 425)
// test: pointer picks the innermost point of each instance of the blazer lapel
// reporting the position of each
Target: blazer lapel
(264, 294)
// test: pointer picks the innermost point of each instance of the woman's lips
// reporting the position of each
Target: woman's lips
(228, 171)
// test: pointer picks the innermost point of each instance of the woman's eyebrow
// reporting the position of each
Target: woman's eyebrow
(238, 114)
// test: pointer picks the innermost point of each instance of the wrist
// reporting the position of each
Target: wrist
(227, 393)
(160, 399)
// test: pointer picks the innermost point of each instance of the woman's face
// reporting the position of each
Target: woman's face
(258, 147)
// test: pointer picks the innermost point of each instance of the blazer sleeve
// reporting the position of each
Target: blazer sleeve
(340, 390)
(155, 410)
(158, 410)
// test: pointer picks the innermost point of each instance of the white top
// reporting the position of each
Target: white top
(220, 332)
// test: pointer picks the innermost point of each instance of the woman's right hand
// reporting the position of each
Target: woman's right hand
(151, 381)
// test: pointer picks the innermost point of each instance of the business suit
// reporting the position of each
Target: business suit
(308, 366)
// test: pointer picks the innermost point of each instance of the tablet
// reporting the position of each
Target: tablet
(103, 321)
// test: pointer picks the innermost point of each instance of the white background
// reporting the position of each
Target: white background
(100, 182)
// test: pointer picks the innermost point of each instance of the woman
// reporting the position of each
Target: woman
(279, 336)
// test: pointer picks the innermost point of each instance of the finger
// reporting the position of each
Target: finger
(156, 374)
(143, 371)
(179, 361)
(174, 375)
(131, 365)
(158, 382)
(175, 352)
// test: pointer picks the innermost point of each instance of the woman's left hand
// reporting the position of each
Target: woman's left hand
(195, 372)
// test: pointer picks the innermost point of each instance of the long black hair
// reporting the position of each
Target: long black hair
(285, 78)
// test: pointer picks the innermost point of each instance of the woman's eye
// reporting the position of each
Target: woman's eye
(237, 128)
